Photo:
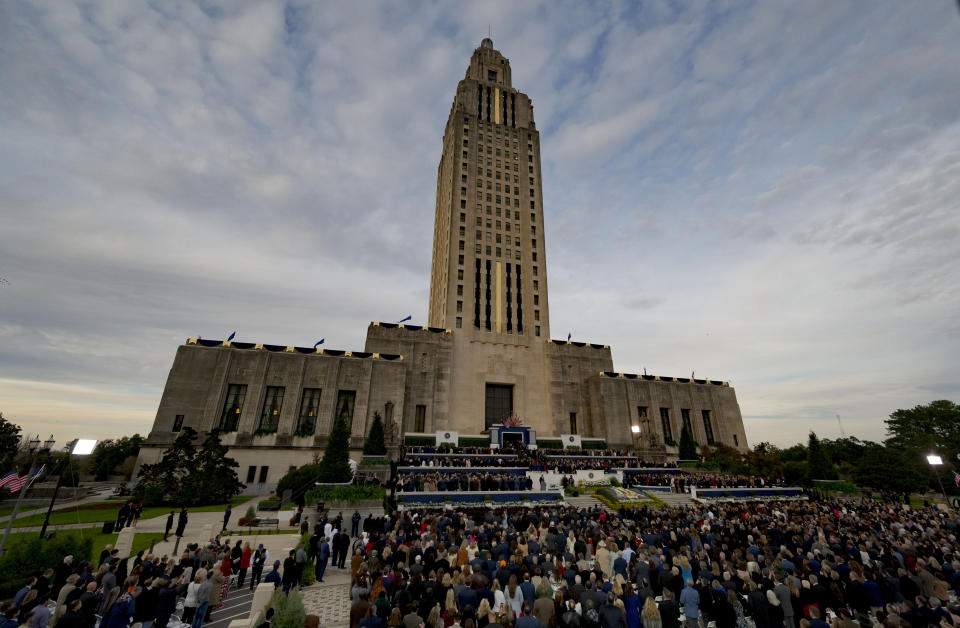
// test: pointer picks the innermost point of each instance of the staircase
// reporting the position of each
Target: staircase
(672, 499)
(584, 501)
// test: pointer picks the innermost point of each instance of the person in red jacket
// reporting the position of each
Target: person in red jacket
(244, 564)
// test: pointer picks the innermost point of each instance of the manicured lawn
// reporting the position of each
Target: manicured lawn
(98, 512)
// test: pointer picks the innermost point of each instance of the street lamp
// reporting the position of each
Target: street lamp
(935, 461)
(80, 447)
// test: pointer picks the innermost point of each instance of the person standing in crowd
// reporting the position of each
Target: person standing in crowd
(260, 558)
(168, 526)
(323, 555)
(182, 521)
(226, 516)
(355, 524)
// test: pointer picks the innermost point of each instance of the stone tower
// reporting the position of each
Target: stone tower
(489, 265)
(489, 278)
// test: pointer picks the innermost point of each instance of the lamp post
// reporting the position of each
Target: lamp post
(79, 447)
(935, 461)
(34, 447)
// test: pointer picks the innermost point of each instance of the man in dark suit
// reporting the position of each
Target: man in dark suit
(323, 555)
(289, 571)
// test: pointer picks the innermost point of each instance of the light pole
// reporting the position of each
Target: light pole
(79, 447)
(33, 445)
(935, 461)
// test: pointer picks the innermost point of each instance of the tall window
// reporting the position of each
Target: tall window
(665, 424)
(685, 418)
(573, 422)
(272, 403)
(345, 401)
(232, 405)
(420, 419)
(707, 426)
(251, 474)
(309, 405)
(642, 413)
(178, 423)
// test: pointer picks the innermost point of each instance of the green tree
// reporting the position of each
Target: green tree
(296, 479)
(335, 466)
(187, 475)
(819, 466)
(688, 446)
(9, 442)
(889, 469)
(376, 443)
(922, 429)
(109, 455)
(725, 458)
(213, 477)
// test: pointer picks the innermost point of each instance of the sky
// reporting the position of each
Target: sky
(760, 192)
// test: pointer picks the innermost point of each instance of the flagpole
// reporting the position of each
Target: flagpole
(16, 509)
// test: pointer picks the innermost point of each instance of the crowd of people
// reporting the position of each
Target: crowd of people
(148, 590)
(465, 482)
(681, 482)
(736, 565)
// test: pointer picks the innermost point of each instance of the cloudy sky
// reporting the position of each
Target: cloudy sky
(762, 192)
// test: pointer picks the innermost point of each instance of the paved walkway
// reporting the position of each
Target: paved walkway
(330, 599)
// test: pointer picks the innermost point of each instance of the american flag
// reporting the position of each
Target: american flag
(8, 478)
(956, 479)
(19, 482)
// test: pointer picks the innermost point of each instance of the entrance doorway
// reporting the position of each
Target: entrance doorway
(499, 404)
(508, 438)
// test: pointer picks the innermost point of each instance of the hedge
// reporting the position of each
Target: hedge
(547, 443)
(594, 444)
(32, 556)
(349, 494)
(474, 442)
(420, 441)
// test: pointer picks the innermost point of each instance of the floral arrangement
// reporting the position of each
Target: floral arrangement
(512, 421)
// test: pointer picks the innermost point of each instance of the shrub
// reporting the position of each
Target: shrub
(549, 443)
(474, 442)
(375, 444)
(349, 494)
(270, 503)
(298, 480)
(420, 441)
(594, 444)
(30, 556)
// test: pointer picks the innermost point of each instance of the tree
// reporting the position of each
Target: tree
(376, 444)
(819, 466)
(889, 469)
(688, 447)
(109, 455)
(186, 475)
(213, 479)
(296, 479)
(725, 458)
(335, 466)
(923, 429)
(9, 442)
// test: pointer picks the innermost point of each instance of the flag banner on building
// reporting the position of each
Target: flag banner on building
(19, 482)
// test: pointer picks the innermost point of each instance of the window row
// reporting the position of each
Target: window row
(666, 424)
(273, 405)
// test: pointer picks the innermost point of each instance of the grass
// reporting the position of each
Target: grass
(140, 541)
(98, 512)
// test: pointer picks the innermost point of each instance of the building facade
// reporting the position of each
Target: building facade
(486, 354)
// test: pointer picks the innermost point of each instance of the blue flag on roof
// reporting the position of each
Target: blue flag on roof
(404, 320)
(232, 336)
(318, 343)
